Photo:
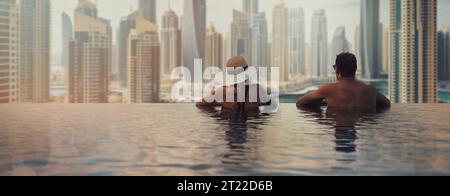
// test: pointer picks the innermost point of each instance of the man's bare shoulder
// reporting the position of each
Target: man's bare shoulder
(327, 88)
(330, 85)
(368, 87)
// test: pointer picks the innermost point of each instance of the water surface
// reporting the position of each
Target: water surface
(178, 139)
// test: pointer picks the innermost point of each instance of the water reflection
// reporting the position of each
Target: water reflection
(239, 127)
(344, 123)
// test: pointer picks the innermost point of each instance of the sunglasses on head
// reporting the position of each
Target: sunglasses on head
(236, 70)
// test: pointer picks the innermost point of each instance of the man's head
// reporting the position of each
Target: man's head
(346, 65)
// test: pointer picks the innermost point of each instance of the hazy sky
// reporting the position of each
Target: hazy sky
(339, 12)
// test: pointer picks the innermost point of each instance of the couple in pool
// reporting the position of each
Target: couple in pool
(346, 94)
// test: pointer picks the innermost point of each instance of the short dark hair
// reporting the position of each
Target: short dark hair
(346, 64)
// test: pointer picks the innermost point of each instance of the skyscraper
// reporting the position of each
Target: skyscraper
(114, 72)
(319, 45)
(385, 52)
(308, 59)
(339, 44)
(241, 36)
(193, 32)
(89, 56)
(143, 63)
(226, 47)
(296, 41)
(260, 40)
(280, 40)
(9, 52)
(414, 51)
(147, 9)
(250, 7)
(370, 39)
(170, 42)
(35, 51)
(444, 54)
(259, 36)
(213, 49)
(357, 49)
(67, 36)
(126, 24)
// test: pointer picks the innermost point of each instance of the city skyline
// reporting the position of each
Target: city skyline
(89, 49)
(221, 15)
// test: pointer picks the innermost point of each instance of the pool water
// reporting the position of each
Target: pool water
(381, 87)
(179, 139)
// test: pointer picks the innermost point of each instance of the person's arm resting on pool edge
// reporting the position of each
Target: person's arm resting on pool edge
(205, 104)
(382, 101)
(314, 98)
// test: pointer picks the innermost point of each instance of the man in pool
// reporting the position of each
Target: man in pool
(348, 93)
(235, 66)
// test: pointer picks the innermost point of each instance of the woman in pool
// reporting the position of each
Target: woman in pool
(235, 66)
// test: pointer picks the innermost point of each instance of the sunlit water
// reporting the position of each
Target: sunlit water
(159, 139)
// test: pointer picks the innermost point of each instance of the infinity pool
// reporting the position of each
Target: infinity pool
(178, 139)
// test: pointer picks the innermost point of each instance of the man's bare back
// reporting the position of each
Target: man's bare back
(346, 94)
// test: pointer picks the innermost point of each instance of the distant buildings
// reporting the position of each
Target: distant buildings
(280, 34)
(143, 63)
(193, 32)
(67, 35)
(213, 49)
(241, 36)
(226, 47)
(444, 54)
(339, 44)
(126, 24)
(170, 42)
(34, 51)
(89, 56)
(260, 40)
(407, 51)
(413, 74)
(319, 45)
(370, 43)
(9, 52)
(258, 47)
(296, 42)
